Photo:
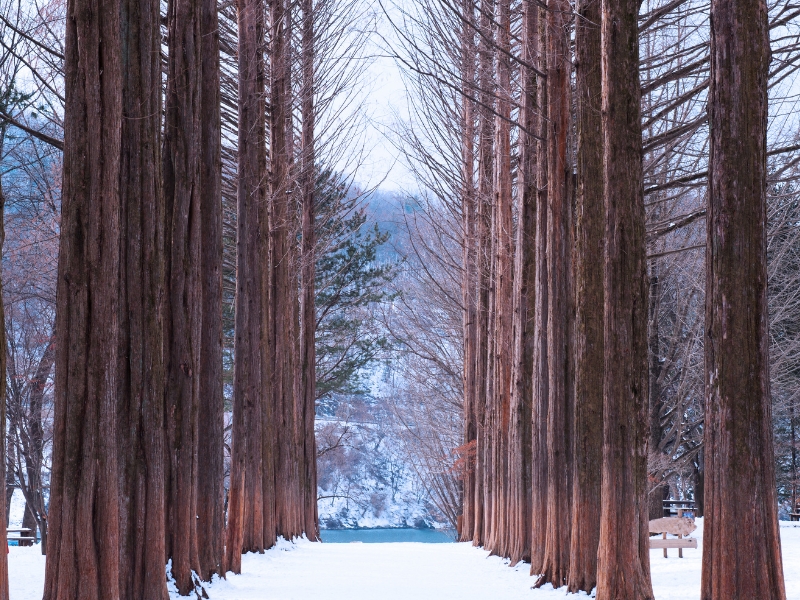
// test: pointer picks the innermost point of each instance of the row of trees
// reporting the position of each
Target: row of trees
(569, 149)
(193, 217)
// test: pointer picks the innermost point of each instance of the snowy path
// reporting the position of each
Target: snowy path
(306, 571)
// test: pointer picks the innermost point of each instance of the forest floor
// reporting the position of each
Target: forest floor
(306, 571)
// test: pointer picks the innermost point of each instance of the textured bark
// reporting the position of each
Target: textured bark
(4, 588)
(589, 362)
(245, 530)
(469, 271)
(502, 286)
(282, 282)
(539, 404)
(623, 556)
(520, 449)
(83, 559)
(211, 475)
(742, 561)
(655, 505)
(141, 375)
(183, 314)
(555, 565)
(483, 235)
(308, 289)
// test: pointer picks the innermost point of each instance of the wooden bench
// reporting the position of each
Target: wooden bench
(679, 526)
(22, 540)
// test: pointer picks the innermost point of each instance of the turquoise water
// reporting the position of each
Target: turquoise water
(384, 536)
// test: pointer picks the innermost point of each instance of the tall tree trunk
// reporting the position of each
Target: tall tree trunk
(282, 281)
(656, 496)
(623, 559)
(246, 502)
(211, 475)
(502, 332)
(555, 565)
(484, 202)
(468, 269)
(741, 561)
(308, 263)
(520, 448)
(588, 352)
(183, 315)
(5, 594)
(84, 557)
(539, 479)
(141, 400)
(36, 511)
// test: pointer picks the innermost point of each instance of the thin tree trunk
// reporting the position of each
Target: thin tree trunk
(623, 560)
(84, 557)
(211, 475)
(469, 270)
(484, 202)
(308, 263)
(280, 287)
(741, 543)
(555, 565)
(520, 449)
(589, 362)
(655, 498)
(245, 504)
(539, 406)
(5, 594)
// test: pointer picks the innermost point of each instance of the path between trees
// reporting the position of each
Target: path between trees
(306, 571)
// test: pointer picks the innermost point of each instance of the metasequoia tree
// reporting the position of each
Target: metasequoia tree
(308, 320)
(245, 531)
(210, 459)
(469, 270)
(281, 326)
(183, 315)
(589, 363)
(4, 589)
(84, 558)
(501, 299)
(483, 235)
(142, 415)
(555, 565)
(623, 569)
(524, 296)
(745, 561)
(539, 403)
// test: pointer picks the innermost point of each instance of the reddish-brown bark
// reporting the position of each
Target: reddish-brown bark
(183, 315)
(483, 245)
(141, 375)
(524, 295)
(210, 477)
(539, 481)
(555, 564)
(501, 311)
(245, 530)
(623, 556)
(589, 366)
(281, 280)
(308, 394)
(469, 270)
(4, 588)
(741, 544)
(83, 558)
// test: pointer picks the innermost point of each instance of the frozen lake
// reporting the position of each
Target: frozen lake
(384, 536)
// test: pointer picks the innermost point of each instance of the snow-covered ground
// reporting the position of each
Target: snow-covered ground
(306, 571)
